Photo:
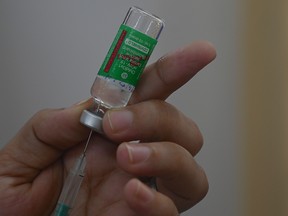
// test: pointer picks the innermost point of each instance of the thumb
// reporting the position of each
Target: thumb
(44, 138)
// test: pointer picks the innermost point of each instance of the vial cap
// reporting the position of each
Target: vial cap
(92, 120)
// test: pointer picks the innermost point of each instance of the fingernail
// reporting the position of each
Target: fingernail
(119, 120)
(138, 153)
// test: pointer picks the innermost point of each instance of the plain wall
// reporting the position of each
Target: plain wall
(50, 52)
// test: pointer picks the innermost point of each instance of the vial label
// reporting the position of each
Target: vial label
(127, 56)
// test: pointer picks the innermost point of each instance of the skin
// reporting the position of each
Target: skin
(34, 164)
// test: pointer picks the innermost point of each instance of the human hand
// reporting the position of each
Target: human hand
(34, 164)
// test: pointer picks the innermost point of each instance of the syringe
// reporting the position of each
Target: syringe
(72, 184)
(113, 86)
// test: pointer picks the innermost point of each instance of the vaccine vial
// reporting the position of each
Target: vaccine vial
(123, 65)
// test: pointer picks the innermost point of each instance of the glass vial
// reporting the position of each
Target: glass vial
(123, 65)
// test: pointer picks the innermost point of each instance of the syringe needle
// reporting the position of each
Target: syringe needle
(87, 142)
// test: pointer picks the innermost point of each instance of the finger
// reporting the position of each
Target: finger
(170, 72)
(43, 139)
(144, 201)
(153, 121)
(178, 175)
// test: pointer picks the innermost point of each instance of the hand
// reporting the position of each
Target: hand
(34, 164)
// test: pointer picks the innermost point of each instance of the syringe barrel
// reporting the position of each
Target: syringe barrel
(71, 188)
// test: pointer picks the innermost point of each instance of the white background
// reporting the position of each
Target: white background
(51, 50)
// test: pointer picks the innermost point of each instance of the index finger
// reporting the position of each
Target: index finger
(170, 72)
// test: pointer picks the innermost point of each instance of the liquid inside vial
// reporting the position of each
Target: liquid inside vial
(110, 93)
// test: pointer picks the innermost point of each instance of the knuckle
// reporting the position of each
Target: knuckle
(204, 185)
(198, 139)
(158, 120)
